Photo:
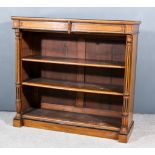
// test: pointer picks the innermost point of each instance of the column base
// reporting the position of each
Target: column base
(17, 122)
(123, 138)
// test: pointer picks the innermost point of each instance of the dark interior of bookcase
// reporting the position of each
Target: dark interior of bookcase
(79, 46)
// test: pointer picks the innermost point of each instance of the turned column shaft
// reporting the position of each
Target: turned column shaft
(18, 74)
(127, 84)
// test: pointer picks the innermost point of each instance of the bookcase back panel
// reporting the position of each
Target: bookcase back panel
(51, 98)
(104, 76)
(93, 47)
(59, 97)
(59, 72)
(67, 101)
(31, 97)
(34, 97)
(59, 47)
(30, 70)
(104, 102)
(90, 47)
(31, 44)
(99, 76)
(106, 48)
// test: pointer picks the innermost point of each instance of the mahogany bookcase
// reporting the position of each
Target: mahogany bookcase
(76, 76)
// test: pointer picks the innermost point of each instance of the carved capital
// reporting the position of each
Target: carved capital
(16, 24)
(129, 39)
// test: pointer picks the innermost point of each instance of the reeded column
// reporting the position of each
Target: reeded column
(127, 80)
(18, 75)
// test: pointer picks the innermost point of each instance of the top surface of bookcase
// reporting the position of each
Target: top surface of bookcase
(76, 25)
(78, 20)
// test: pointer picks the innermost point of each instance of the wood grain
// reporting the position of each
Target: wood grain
(71, 129)
(98, 112)
(76, 75)
(74, 119)
(76, 25)
(74, 61)
(71, 86)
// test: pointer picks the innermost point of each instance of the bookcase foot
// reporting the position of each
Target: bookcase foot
(123, 138)
(17, 122)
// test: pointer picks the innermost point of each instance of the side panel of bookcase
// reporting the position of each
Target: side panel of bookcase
(129, 86)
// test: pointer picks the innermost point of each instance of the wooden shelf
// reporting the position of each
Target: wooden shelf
(83, 110)
(75, 86)
(76, 62)
(74, 119)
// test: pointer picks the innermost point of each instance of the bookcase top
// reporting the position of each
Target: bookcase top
(119, 22)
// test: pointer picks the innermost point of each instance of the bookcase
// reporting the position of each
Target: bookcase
(75, 75)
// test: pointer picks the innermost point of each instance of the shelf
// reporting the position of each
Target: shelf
(82, 110)
(76, 62)
(75, 86)
(74, 119)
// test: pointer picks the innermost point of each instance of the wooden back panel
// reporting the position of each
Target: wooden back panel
(91, 47)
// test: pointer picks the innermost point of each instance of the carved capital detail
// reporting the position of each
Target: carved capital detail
(129, 38)
(16, 24)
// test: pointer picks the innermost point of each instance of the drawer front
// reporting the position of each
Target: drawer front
(102, 28)
(53, 26)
